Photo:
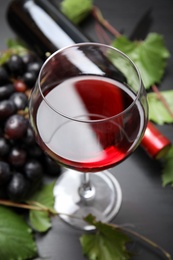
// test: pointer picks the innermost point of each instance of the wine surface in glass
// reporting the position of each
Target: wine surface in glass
(101, 133)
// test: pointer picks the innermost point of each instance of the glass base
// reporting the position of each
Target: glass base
(103, 200)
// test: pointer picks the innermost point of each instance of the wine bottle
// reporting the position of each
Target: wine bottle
(42, 26)
(45, 29)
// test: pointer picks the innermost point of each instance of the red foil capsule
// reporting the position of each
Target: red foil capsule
(154, 143)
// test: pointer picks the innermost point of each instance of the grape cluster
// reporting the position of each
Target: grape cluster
(23, 164)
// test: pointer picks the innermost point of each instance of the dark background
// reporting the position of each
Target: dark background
(147, 207)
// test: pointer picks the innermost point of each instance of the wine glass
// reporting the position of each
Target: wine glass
(89, 112)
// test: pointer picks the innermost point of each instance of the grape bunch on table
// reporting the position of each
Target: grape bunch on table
(23, 164)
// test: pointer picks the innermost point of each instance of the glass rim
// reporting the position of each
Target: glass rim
(75, 118)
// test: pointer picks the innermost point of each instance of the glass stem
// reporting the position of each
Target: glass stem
(86, 190)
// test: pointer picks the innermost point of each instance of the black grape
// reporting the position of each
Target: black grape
(4, 76)
(28, 58)
(34, 67)
(52, 168)
(6, 91)
(7, 108)
(4, 147)
(17, 187)
(33, 170)
(17, 156)
(5, 173)
(20, 100)
(29, 78)
(16, 126)
(29, 138)
(15, 65)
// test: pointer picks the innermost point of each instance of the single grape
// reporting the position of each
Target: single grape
(29, 138)
(20, 86)
(7, 108)
(35, 152)
(15, 65)
(34, 67)
(33, 170)
(4, 147)
(29, 78)
(28, 58)
(5, 173)
(16, 126)
(6, 91)
(17, 156)
(17, 187)
(20, 100)
(52, 168)
(4, 76)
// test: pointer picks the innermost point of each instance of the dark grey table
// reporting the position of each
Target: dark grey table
(147, 207)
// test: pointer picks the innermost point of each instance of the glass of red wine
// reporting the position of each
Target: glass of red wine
(89, 112)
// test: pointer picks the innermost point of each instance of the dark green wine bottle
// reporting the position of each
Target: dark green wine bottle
(42, 26)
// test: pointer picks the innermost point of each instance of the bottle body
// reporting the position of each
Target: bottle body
(42, 26)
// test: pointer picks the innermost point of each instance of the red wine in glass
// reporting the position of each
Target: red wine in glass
(88, 114)
(101, 144)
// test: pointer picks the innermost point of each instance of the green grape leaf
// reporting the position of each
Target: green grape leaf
(41, 220)
(150, 56)
(167, 172)
(107, 242)
(16, 240)
(76, 10)
(17, 45)
(157, 111)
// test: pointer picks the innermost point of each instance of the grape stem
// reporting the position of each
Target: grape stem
(162, 99)
(146, 240)
(25, 206)
(34, 205)
(99, 17)
(101, 34)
